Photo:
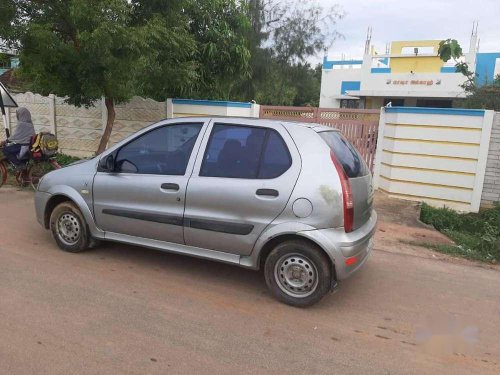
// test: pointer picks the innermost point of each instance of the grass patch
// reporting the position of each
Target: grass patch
(63, 159)
(477, 236)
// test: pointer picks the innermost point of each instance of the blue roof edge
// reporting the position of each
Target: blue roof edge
(437, 111)
(213, 103)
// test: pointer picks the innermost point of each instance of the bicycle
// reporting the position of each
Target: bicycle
(30, 173)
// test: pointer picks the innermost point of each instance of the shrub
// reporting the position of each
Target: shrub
(477, 236)
(64, 159)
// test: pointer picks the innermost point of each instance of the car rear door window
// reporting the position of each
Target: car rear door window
(352, 162)
(276, 157)
(163, 151)
(237, 151)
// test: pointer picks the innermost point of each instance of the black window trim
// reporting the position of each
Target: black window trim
(117, 150)
(261, 156)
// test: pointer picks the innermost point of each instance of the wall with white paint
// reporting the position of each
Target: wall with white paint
(433, 155)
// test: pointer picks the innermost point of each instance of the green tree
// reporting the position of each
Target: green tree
(87, 49)
(486, 96)
(168, 69)
(81, 50)
(450, 49)
(284, 35)
(216, 46)
(219, 28)
(298, 85)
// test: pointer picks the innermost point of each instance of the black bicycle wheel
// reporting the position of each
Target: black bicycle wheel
(3, 172)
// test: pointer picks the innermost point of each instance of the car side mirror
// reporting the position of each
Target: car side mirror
(108, 163)
(126, 166)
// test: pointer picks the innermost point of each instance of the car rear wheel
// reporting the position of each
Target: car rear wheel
(69, 228)
(298, 273)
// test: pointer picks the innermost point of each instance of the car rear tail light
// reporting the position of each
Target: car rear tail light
(346, 194)
(351, 261)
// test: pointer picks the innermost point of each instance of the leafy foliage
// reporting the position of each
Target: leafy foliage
(486, 96)
(200, 51)
(477, 235)
(295, 85)
(283, 36)
(86, 49)
(63, 159)
(219, 28)
(449, 49)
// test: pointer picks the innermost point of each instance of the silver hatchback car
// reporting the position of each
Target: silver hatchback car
(293, 198)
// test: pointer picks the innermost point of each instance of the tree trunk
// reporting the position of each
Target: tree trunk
(110, 106)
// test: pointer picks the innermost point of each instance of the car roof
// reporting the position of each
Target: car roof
(312, 125)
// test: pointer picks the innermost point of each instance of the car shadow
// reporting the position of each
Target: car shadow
(219, 277)
(205, 271)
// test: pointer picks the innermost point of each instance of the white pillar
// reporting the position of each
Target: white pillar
(255, 112)
(380, 147)
(169, 108)
(484, 147)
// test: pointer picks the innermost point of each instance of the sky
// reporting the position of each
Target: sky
(414, 20)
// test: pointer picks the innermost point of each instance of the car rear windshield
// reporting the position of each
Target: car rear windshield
(347, 155)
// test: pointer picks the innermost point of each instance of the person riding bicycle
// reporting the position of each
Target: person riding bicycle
(21, 137)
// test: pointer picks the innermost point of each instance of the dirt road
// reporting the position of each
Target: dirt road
(127, 310)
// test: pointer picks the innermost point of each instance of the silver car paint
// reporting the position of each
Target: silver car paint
(142, 193)
(235, 199)
(75, 183)
(318, 182)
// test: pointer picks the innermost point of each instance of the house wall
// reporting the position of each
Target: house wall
(434, 155)
(331, 84)
(419, 63)
(402, 74)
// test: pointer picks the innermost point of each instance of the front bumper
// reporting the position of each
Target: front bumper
(354, 247)
(41, 199)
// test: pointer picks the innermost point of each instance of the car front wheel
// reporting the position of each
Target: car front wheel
(298, 273)
(69, 228)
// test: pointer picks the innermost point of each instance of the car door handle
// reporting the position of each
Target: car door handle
(268, 192)
(170, 186)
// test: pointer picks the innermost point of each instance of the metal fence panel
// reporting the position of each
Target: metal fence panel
(359, 126)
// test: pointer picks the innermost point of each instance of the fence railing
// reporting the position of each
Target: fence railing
(359, 126)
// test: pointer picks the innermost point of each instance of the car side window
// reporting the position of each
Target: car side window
(276, 158)
(237, 151)
(163, 151)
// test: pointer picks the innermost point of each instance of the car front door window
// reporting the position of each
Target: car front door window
(162, 151)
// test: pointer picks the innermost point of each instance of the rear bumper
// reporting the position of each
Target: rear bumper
(354, 247)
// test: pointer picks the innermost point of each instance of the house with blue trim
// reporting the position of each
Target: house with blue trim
(409, 73)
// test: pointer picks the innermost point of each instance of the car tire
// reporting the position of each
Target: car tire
(69, 228)
(298, 273)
